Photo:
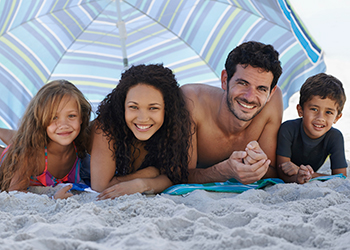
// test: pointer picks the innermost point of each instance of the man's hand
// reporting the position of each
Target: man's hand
(254, 153)
(304, 174)
(244, 172)
(289, 168)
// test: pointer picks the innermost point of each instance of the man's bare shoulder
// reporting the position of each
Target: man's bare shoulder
(200, 94)
(274, 108)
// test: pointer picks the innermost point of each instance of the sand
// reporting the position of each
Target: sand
(315, 215)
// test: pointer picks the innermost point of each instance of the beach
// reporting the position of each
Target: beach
(315, 215)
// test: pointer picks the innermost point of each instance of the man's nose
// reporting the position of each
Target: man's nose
(249, 94)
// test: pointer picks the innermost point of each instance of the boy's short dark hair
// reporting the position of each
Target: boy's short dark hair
(324, 86)
(257, 55)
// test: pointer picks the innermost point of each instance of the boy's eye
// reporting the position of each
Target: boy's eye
(313, 109)
(329, 112)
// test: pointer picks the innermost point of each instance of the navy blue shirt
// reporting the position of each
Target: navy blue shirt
(302, 150)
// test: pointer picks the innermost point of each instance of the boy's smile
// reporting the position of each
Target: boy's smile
(318, 116)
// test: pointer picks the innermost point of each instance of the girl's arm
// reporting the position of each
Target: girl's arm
(6, 135)
(17, 183)
(140, 185)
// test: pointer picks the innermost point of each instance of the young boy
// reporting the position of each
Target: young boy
(305, 143)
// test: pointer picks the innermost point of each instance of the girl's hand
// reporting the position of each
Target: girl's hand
(120, 189)
(63, 192)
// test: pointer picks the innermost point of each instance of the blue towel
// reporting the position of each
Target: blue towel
(233, 186)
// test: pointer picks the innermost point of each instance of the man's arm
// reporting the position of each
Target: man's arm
(268, 138)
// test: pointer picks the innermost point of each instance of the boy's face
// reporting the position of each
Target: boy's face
(318, 116)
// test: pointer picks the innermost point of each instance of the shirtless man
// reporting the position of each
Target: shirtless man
(234, 135)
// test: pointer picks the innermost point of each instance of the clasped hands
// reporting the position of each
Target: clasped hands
(302, 174)
(248, 166)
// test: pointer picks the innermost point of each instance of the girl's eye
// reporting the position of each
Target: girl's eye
(55, 118)
(132, 107)
(153, 108)
(72, 116)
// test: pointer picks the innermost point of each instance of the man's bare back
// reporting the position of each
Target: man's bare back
(235, 127)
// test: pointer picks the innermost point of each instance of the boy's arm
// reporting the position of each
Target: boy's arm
(340, 171)
(287, 170)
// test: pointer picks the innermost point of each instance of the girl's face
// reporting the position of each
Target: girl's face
(144, 111)
(65, 126)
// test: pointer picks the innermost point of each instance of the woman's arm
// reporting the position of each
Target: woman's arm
(102, 162)
(141, 185)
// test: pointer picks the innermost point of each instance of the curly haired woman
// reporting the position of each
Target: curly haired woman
(141, 137)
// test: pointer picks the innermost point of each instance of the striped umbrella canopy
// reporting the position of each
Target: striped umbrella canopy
(91, 42)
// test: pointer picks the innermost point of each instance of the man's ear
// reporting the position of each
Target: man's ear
(300, 111)
(272, 92)
(337, 118)
(224, 79)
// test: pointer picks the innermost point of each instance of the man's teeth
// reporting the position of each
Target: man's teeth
(246, 106)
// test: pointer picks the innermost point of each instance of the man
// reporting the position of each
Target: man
(235, 128)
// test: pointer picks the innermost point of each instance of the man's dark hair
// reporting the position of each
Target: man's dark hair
(257, 55)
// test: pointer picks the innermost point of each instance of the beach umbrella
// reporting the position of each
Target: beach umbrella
(91, 42)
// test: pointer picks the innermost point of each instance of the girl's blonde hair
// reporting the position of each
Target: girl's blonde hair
(25, 156)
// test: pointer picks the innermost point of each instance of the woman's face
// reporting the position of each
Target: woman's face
(144, 110)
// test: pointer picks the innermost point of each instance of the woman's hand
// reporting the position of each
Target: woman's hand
(123, 188)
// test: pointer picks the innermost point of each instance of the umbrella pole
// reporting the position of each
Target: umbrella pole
(123, 35)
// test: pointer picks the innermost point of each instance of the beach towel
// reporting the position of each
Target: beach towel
(230, 186)
(233, 186)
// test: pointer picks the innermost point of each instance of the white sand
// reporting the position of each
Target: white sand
(289, 216)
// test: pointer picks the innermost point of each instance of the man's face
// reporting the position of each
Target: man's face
(248, 91)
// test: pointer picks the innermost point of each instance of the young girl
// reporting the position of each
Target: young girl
(50, 142)
(140, 139)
